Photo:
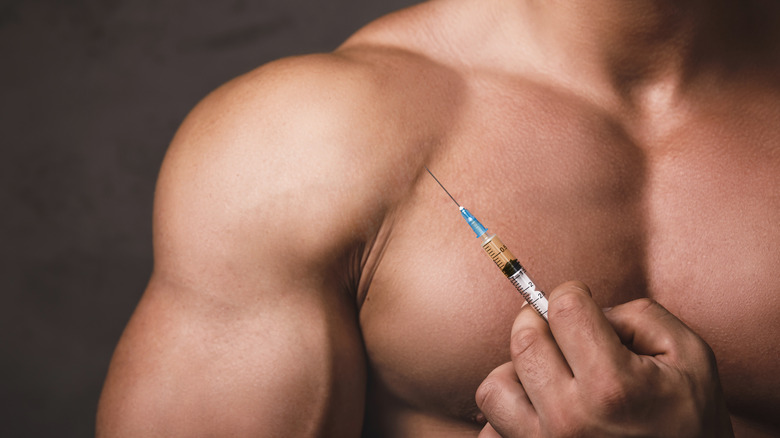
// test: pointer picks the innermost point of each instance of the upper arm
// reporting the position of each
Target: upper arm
(245, 327)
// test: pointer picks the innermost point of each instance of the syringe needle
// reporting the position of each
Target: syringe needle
(442, 186)
(503, 258)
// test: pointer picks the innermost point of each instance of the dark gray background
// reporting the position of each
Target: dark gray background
(91, 93)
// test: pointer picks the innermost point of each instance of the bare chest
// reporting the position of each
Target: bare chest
(696, 227)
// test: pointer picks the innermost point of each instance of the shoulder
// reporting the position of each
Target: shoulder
(316, 148)
(383, 79)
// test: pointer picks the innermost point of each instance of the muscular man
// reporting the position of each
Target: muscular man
(311, 278)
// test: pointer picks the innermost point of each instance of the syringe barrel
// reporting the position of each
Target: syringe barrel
(515, 272)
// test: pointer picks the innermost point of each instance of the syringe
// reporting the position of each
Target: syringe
(503, 258)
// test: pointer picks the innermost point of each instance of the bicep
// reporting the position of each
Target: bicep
(189, 365)
(237, 334)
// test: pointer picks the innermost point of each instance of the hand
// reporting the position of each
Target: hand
(633, 370)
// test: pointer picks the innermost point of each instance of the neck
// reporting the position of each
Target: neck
(633, 45)
(628, 42)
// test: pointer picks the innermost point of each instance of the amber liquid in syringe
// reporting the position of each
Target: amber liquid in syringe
(515, 272)
(503, 258)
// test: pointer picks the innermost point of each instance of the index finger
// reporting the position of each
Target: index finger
(648, 329)
(585, 337)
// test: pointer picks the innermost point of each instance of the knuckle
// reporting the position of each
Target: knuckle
(642, 305)
(568, 306)
(489, 397)
(611, 394)
(485, 395)
(524, 342)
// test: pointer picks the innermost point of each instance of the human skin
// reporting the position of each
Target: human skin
(311, 279)
(611, 372)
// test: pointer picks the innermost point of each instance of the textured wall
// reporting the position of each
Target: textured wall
(90, 94)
